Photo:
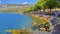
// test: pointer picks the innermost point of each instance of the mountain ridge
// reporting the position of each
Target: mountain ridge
(6, 6)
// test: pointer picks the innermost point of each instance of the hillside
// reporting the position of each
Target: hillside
(13, 7)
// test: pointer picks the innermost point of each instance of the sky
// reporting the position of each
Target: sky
(18, 1)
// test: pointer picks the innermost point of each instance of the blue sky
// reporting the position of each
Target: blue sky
(18, 1)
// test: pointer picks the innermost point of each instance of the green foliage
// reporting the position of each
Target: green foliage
(27, 9)
(40, 4)
(41, 22)
(51, 4)
(44, 4)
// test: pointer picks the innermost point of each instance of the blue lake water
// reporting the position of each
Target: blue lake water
(14, 21)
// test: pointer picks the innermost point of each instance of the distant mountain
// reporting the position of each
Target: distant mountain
(13, 8)
(7, 6)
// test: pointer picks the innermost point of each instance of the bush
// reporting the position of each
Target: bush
(40, 22)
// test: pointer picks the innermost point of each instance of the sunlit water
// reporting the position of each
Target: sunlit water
(14, 21)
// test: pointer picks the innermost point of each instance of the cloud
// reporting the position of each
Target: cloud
(25, 3)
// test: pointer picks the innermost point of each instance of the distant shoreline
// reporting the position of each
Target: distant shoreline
(11, 13)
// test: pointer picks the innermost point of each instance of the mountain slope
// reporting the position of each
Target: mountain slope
(16, 8)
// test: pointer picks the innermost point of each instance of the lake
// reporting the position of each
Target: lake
(14, 21)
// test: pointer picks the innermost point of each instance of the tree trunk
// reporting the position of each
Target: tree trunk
(50, 12)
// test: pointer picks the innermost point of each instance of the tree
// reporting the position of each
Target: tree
(40, 4)
(52, 3)
(47, 4)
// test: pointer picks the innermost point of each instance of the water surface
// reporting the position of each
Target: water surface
(14, 21)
